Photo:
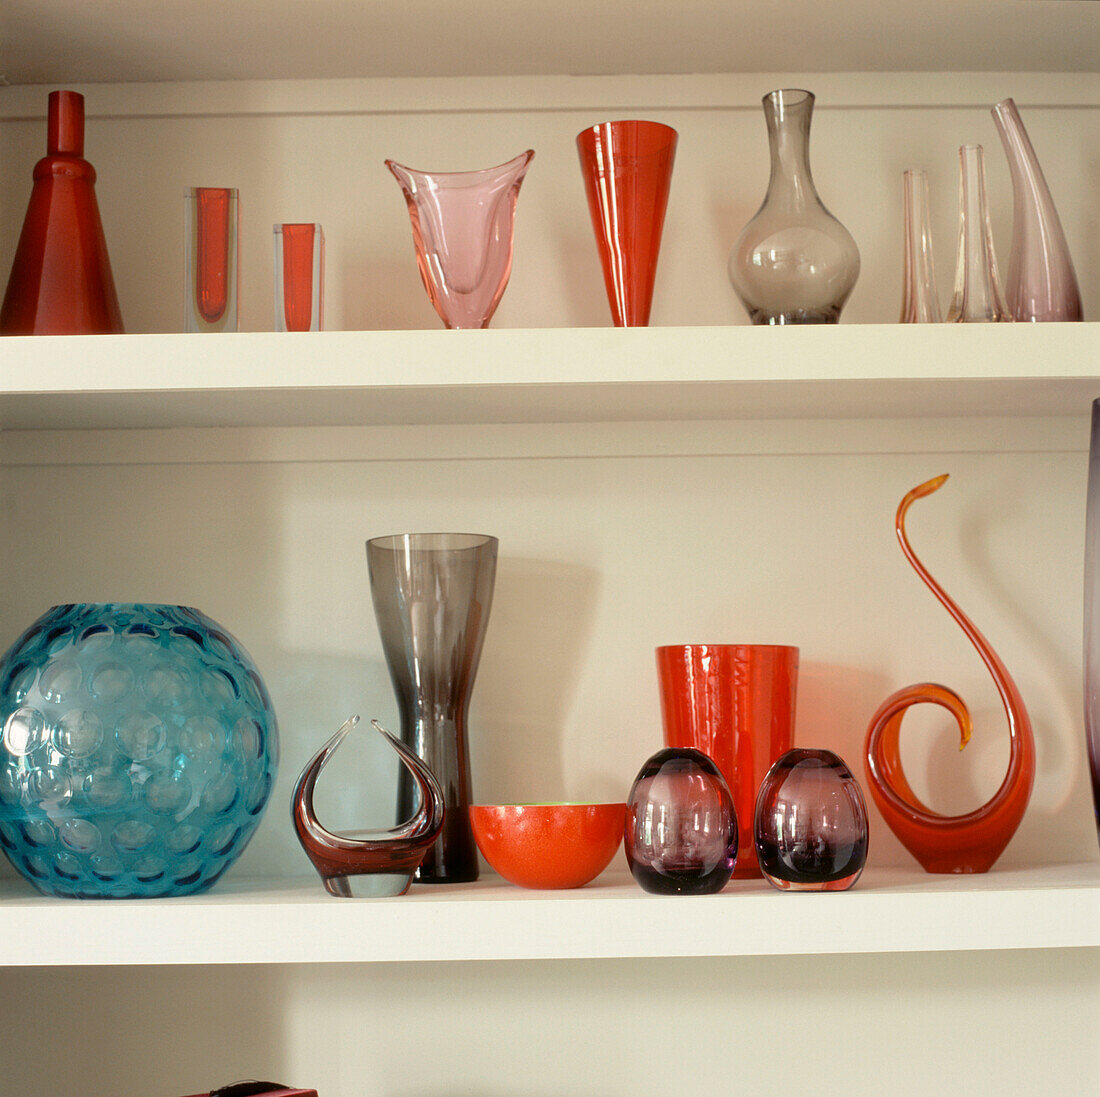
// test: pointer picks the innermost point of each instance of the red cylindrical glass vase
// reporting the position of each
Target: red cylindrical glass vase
(736, 704)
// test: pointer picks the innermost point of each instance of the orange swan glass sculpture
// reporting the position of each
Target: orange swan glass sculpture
(949, 843)
(367, 864)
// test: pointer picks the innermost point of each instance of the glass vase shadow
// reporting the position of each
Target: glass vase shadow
(973, 841)
(736, 704)
(211, 279)
(978, 297)
(1092, 612)
(299, 277)
(139, 751)
(367, 864)
(432, 594)
(810, 825)
(1042, 284)
(794, 262)
(920, 303)
(463, 226)
(627, 170)
(681, 825)
(61, 281)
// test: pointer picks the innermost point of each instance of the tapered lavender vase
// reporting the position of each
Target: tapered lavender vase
(978, 298)
(1092, 612)
(1041, 284)
(462, 225)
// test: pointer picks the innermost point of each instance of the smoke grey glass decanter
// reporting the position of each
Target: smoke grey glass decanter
(794, 262)
(432, 594)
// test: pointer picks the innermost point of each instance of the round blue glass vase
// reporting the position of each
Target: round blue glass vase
(139, 750)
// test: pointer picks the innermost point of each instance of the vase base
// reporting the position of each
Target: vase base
(796, 316)
(368, 885)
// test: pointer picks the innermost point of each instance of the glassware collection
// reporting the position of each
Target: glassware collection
(139, 748)
(139, 744)
(793, 263)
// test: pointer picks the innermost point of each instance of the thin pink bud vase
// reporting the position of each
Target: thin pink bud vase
(627, 168)
(1042, 284)
(462, 224)
(949, 843)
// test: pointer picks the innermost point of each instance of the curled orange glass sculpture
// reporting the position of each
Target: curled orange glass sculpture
(949, 843)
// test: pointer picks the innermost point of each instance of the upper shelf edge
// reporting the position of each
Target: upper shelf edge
(547, 375)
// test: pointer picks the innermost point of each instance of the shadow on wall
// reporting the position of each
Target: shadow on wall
(219, 1025)
(535, 648)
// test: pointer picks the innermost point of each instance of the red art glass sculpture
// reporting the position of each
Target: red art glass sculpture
(367, 864)
(61, 281)
(627, 168)
(949, 843)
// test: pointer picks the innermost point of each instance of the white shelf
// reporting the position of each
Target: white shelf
(547, 375)
(246, 921)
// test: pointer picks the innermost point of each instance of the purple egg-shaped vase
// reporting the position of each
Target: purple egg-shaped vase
(810, 827)
(681, 825)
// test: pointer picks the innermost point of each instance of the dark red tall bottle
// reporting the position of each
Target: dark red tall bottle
(61, 282)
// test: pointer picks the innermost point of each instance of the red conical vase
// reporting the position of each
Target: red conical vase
(627, 168)
(61, 282)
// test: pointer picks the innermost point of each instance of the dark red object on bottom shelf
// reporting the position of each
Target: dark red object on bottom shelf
(253, 1089)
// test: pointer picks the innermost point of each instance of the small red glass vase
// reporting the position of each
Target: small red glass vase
(61, 281)
(627, 169)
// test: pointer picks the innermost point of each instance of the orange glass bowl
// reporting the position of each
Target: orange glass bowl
(548, 845)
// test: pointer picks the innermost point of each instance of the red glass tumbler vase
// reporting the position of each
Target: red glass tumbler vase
(211, 259)
(299, 277)
(627, 169)
(61, 281)
(736, 704)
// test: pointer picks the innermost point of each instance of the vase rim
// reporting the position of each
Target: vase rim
(550, 805)
(726, 647)
(123, 606)
(790, 96)
(432, 541)
(660, 136)
(526, 157)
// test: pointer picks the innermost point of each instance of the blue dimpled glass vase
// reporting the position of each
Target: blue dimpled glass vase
(139, 751)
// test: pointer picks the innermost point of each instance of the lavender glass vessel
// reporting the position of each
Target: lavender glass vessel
(681, 825)
(811, 823)
(1042, 284)
(978, 298)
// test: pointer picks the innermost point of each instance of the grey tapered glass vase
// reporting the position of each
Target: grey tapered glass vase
(432, 594)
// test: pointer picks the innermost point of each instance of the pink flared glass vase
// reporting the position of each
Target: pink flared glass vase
(1042, 284)
(627, 169)
(462, 224)
(978, 297)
